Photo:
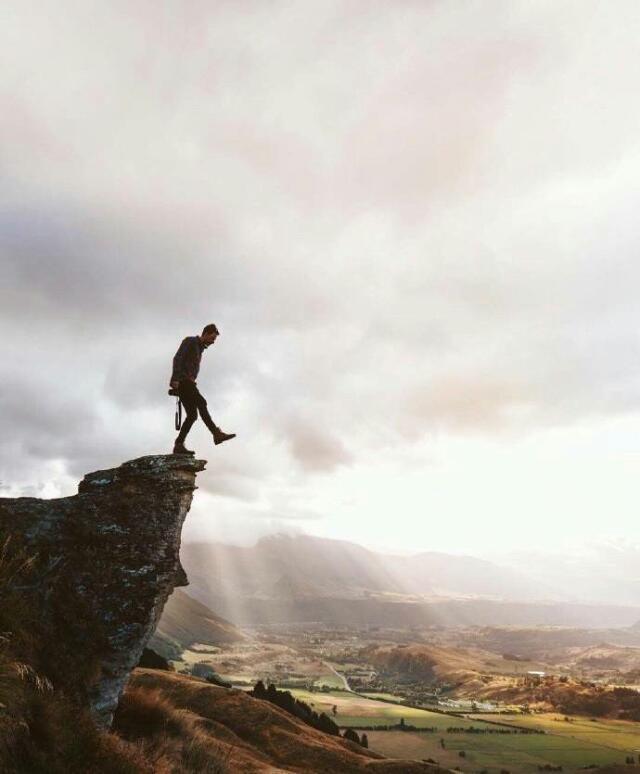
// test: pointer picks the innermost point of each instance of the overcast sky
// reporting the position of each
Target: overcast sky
(414, 223)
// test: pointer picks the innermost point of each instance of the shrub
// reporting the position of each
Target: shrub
(143, 712)
(351, 735)
(152, 660)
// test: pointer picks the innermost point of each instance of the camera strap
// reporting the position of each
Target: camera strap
(178, 413)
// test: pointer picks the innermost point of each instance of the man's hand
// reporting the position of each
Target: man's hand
(175, 385)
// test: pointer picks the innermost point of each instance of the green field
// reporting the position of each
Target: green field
(354, 710)
(517, 753)
(571, 745)
(330, 680)
(385, 696)
(623, 735)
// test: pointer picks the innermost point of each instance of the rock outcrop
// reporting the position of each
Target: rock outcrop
(107, 560)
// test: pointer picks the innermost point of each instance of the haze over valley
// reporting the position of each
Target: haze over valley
(304, 578)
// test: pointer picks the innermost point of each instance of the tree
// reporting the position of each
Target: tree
(351, 735)
(296, 707)
(364, 741)
(327, 725)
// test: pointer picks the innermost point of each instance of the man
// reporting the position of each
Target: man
(186, 364)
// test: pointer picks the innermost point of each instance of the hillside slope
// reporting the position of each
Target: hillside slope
(431, 663)
(475, 674)
(186, 621)
(250, 735)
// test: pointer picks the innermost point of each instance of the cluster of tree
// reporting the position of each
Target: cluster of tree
(623, 703)
(402, 726)
(629, 759)
(293, 706)
(398, 727)
(351, 735)
(549, 767)
(215, 679)
(476, 730)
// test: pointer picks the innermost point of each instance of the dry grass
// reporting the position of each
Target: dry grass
(169, 733)
(264, 738)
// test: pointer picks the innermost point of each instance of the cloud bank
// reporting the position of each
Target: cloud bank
(409, 221)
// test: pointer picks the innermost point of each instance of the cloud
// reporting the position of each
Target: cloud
(405, 219)
(314, 445)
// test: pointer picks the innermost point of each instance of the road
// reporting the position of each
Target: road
(345, 682)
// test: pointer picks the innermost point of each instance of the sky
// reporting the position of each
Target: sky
(414, 224)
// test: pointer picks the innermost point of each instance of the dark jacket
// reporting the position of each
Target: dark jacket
(186, 361)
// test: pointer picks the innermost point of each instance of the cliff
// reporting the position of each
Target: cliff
(106, 560)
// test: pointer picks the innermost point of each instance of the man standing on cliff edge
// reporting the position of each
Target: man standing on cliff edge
(186, 364)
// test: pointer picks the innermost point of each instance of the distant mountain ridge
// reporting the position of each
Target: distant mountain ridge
(286, 578)
(599, 572)
(312, 566)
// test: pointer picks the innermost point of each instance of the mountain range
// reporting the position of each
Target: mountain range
(284, 578)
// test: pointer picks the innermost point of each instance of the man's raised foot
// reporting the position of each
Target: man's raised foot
(219, 436)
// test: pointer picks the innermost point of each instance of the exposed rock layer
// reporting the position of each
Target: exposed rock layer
(108, 559)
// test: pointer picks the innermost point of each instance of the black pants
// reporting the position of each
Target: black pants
(193, 403)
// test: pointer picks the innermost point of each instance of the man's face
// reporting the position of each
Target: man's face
(209, 338)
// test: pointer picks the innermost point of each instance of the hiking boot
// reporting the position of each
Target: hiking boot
(179, 448)
(219, 436)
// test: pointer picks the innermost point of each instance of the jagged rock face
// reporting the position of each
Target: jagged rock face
(108, 559)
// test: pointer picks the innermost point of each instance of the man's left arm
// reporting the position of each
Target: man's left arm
(179, 363)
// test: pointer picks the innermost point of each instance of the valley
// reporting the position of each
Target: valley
(449, 660)
(457, 697)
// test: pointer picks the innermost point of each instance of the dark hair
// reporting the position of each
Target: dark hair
(211, 328)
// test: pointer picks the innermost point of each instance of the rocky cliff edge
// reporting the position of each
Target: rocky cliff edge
(107, 559)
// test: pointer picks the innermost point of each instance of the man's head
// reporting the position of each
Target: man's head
(209, 334)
